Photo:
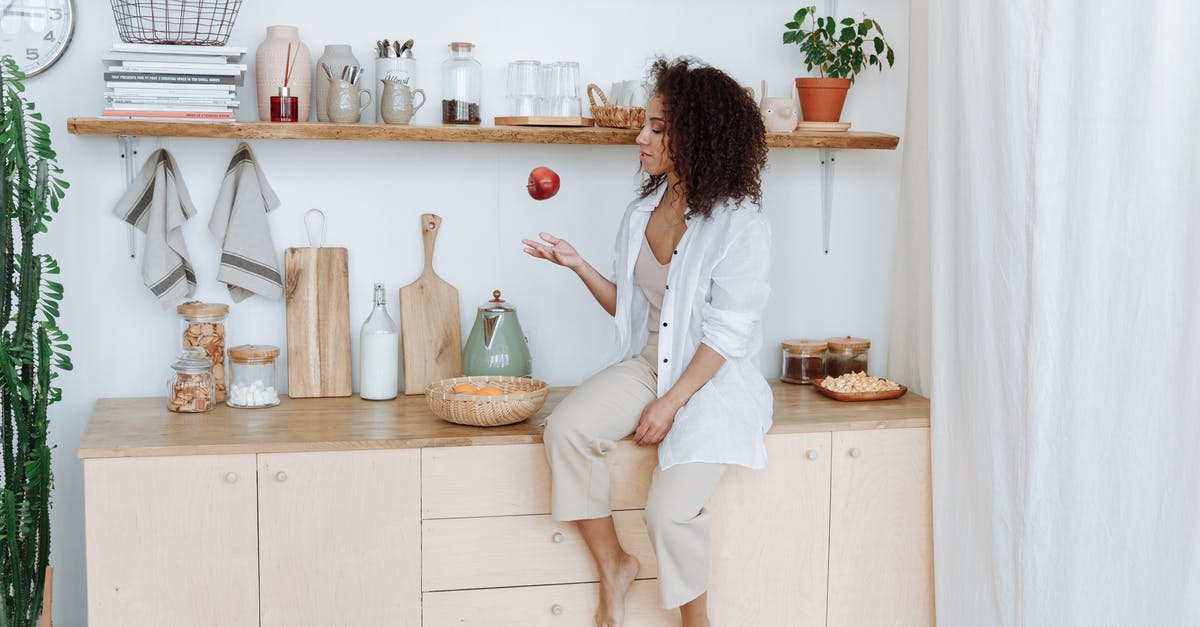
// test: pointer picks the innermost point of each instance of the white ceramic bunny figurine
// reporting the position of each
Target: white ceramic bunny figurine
(779, 114)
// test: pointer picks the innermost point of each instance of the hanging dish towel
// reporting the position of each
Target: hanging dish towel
(157, 203)
(239, 221)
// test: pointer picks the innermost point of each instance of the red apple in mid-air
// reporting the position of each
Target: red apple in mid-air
(543, 183)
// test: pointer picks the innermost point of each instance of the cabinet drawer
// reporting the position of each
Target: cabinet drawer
(462, 553)
(537, 606)
(514, 479)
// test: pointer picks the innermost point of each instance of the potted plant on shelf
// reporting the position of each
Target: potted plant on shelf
(839, 50)
(32, 351)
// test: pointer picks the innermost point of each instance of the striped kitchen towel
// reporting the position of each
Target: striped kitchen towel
(157, 203)
(239, 221)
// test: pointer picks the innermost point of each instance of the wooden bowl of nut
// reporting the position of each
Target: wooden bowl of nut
(858, 386)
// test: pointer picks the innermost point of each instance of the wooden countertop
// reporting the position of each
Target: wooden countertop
(142, 427)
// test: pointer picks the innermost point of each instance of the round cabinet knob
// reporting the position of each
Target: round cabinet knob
(556, 609)
(855, 452)
(281, 476)
(558, 538)
(811, 455)
(231, 477)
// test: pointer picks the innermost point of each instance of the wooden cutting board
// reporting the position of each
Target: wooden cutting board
(429, 327)
(317, 294)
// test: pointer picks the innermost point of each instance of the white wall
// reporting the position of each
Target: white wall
(374, 191)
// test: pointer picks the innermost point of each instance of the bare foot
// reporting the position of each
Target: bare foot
(614, 586)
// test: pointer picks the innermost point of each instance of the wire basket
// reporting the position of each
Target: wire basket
(519, 399)
(179, 22)
(611, 115)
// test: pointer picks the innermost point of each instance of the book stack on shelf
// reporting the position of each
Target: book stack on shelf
(172, 82)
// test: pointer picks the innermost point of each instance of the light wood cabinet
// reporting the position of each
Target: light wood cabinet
(280, 539)
(881, 530)
(172, 541)
(347, 512)
(339, 538)
(770, 537)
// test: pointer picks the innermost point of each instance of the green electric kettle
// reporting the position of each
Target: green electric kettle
(497, 345)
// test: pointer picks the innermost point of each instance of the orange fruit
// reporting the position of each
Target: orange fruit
(489, 391)
(464, 388)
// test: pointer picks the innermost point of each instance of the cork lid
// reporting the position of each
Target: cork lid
(461, 46)
(848, 343)
(804, 346)
(247, 353)
(197, 308)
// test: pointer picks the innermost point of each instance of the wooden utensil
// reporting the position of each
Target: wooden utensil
(317, 297)
(429, 326)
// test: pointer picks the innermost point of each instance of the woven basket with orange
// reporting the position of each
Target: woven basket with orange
(486, 401)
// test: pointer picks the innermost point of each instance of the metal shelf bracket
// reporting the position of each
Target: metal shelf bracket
(128, 155)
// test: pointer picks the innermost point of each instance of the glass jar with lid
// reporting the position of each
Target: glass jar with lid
(803, 361)
(462, 85)
(192, 388)
(252, 376)
(204, 328)
(846, 355)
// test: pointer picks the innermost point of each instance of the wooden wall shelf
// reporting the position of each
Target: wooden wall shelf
(466, 134)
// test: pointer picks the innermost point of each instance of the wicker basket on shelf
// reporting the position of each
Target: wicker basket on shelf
(522, 397)
(612, 115)
(179, 22)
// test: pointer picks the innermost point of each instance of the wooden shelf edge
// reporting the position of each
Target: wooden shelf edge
(463, 134)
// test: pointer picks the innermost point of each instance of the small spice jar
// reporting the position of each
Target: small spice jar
(846, 355)
(803, 361)
(252, 376)
(192, 388)
(204, 328)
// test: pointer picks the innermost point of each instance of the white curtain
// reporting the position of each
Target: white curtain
(1048, 301)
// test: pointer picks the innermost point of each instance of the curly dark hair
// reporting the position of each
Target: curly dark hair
(715, 134)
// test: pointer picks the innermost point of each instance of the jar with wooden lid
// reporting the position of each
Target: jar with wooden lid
(846, 355)
(252, 376)
(803, 361)
(204, 328)
(192, 388)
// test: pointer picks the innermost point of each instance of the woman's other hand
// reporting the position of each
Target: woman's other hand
(656, 421)
(554, 250)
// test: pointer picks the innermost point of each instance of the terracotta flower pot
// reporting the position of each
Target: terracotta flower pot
(821, 99)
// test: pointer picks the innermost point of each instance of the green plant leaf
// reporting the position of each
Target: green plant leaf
(878, 46)
(792, 25)
(847, 35)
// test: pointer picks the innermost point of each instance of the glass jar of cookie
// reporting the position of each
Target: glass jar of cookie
(192, 388)
(204, 328)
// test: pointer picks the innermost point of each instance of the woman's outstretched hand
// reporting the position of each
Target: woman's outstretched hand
(554, 250)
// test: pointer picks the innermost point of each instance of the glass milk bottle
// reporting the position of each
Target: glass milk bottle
(379, 353)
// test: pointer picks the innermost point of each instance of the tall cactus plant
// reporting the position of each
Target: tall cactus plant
(32, 349)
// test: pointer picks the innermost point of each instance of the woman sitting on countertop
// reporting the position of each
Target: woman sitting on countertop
(687, 296)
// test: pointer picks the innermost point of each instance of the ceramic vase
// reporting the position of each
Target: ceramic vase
(336, 56)
(269, 66)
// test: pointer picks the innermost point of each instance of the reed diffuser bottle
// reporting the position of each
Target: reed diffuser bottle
(379, 353)
(285, 107)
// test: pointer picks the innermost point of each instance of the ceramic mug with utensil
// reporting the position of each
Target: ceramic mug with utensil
(398, 105)
(346, 104)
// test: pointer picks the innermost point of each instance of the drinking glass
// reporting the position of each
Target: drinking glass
(565, 98)
(522, 89)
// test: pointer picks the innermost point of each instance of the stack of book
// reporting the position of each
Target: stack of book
(159, 81)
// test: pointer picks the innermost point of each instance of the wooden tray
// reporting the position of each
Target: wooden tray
(858, 396)
(822, 127)
(542, 120)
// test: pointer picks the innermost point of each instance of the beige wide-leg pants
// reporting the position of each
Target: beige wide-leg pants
(581, 431)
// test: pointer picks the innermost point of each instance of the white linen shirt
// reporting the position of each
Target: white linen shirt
(716, 291)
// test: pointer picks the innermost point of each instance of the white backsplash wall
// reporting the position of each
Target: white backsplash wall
(373, 193)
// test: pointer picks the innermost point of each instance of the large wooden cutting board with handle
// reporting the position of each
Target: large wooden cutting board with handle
(317, 296)
(429, 327)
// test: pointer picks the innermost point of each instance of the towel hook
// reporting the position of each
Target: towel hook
(308, 228)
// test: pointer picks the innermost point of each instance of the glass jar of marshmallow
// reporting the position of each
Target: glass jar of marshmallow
(252, 376)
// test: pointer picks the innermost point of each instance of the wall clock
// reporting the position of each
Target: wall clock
(35, 33)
